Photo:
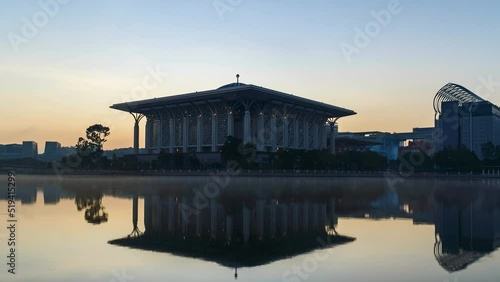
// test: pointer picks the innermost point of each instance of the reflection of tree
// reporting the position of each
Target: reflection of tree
(94, 210)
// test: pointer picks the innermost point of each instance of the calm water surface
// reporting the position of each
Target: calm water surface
(274, 229)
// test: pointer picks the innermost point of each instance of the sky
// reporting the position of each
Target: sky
(64, 62)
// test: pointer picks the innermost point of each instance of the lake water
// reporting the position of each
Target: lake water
(249, 229)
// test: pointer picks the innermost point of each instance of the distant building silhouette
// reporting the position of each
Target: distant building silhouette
(30, 150)
(11, 151)
(52, 151)
(388, 144)
(462, 118)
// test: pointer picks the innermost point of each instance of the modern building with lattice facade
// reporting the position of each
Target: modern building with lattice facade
(464, 119)
(200, 122)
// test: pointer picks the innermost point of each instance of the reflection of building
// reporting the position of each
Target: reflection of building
(267, 219)
(200, 122)
(466, 232)
(52, 193)
(26, 194)
(238, 228)
(464, 118)
(52, 151)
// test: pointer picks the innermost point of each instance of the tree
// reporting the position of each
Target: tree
(460, 159)
(96, 135)
(234, 149)
(90, 149)
(488, 151)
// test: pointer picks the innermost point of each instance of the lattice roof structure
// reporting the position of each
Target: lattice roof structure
(454, 92)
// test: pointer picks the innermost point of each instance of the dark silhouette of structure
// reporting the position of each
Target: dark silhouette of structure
(200, 122)
(462, 118)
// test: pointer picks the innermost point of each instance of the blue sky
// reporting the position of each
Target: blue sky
(90, 54)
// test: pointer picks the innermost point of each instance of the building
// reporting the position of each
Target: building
(417, 146)
(200, 122)
(52, 151)
(383, 143)
(462, 118)
(30, 150)
(389, 144)
(11, 151)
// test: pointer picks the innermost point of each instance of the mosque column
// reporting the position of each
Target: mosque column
(230, 124)
(159, 133)
(199, 132)
(273, 133)
(306, 135)
(184, 134)
(316, 136)
(246, 127)
(285, 132)
(147, 139)
(171, 127)
(260, 135)
(137, 119)
(214, 133)
(325, 136)
(296, 136)
(332, 138)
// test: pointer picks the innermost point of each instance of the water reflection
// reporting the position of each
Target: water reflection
(52, 193)
(135, 217)
(88, 198)
(467, 226)
(240, 227)
(94, 210)
(254, 222)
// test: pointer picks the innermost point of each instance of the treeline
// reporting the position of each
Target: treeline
(246, 156)
(450, 160)
(90, 156)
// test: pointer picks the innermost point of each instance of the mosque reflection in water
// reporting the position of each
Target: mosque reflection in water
(466, 219)
(256, 222)
(240, 227)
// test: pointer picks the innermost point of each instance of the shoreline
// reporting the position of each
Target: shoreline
(263, 173)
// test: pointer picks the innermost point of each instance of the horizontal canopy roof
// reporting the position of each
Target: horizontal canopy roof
(233, 93)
